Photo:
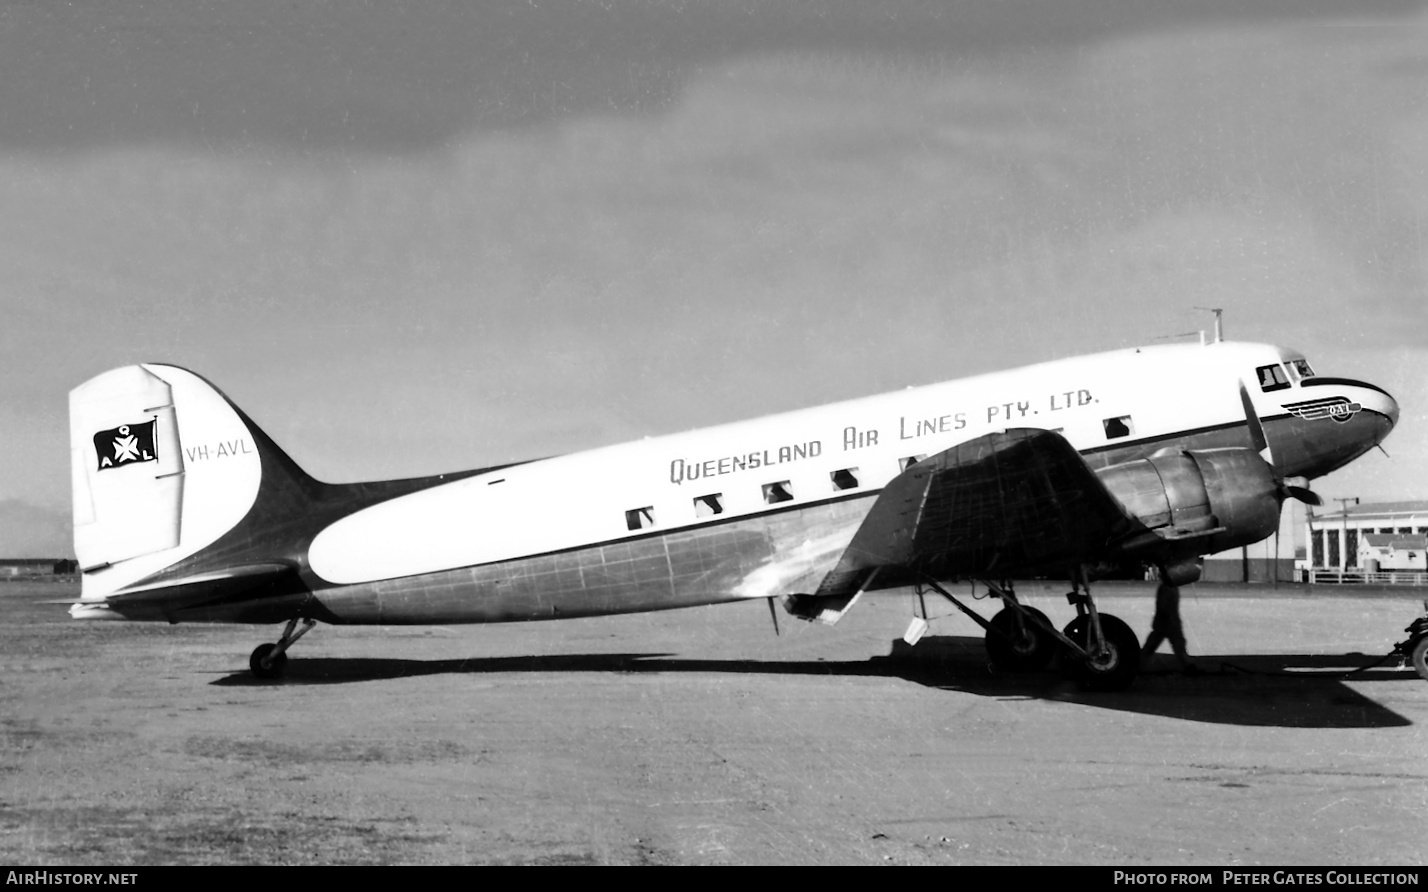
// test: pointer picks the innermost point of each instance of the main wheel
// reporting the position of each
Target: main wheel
(1419, 657)
(1030, 650)
(275, 665)
(1115, 667)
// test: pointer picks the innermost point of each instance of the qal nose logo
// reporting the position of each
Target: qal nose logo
(1336, 408)
(126, 444)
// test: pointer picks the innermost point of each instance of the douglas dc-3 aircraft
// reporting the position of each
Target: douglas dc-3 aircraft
(185, 511)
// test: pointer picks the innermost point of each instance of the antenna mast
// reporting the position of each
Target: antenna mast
(1219, 327)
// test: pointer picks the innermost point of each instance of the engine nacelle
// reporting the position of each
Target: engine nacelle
(1195, 503)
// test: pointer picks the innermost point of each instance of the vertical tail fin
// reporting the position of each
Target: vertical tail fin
(126, 467)
(163, 465)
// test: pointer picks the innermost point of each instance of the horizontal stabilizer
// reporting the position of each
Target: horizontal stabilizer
(233, 590)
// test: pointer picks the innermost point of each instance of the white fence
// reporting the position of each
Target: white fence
(1357, 577)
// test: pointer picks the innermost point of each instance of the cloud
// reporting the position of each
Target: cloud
(800, 221)
(403, 77)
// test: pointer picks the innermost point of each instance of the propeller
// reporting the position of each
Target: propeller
(1256, 429)
(1260, 443)
(1302, 493)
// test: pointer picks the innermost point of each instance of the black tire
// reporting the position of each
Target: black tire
(1113, 670)
(1030, 651)
(275, 666)
(1419, 657)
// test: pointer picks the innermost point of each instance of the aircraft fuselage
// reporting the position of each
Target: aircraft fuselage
(746, 510)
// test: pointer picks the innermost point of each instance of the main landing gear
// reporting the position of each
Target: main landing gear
(269, 660)
(1104, 654)
(1099, 650)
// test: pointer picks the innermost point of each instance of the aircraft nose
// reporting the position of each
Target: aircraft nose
(1384, 407)
(1391, 412)
(1332, 422)
(1377, 417)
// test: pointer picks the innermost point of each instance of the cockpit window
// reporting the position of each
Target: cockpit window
(1272, 377)
(1301, 368)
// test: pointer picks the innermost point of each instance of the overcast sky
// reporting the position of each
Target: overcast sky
(410, 238)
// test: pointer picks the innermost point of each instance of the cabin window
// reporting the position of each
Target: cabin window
(844, 479)
(706, 506)
(778, 492)
(640, 518)
(1272, 377)
(904, 463)
(1118, 427)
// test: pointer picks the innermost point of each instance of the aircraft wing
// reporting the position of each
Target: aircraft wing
(1022, 501)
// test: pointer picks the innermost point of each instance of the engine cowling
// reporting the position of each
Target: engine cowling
(1194, 503)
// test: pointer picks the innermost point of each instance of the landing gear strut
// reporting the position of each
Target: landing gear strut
(269, 660)
(1105, 654)
(1099, 650)
(1019, 638)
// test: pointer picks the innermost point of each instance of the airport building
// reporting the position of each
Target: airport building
(16, 568)
(1361, 542)
(1382, 543)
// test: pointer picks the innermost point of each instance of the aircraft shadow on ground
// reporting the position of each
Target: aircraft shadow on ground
(1268, 690)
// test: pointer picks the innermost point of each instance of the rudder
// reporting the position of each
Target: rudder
(162, 466)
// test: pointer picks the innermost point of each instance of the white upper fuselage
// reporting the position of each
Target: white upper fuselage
(1098, 403)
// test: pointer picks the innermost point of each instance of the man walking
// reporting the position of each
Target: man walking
(1166, 627)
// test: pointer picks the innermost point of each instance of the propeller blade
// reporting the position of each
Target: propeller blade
(1256, 429)
(1307, 496)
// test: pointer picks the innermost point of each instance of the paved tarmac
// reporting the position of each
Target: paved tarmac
(698, 737)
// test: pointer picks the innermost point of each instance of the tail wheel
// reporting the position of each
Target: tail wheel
(1419, 657)
(264, 664)
(1026, 650)
(1114, 667)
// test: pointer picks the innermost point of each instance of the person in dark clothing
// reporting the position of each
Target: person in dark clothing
(1166, 627)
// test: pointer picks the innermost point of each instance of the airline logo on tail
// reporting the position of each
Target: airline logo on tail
(126, 444)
